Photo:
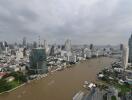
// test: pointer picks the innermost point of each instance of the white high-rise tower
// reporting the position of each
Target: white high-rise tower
(46, 46)
(130, 49)
(125, 53)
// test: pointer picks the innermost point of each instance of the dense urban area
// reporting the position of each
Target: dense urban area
(21, 64)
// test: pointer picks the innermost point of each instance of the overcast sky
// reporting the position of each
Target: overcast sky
(82, 21)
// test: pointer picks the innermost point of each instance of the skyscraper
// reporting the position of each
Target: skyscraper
(125, 51)
(121, 47)
(45, 45)
(3, 45)
(52, 51)
(38, 61)
(68, 45)
(24, 52)
(91, 46)
(24, 42)
(130, 49)
(34, 44)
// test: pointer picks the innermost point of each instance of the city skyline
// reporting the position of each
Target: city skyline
(65, 50)
(57, 20)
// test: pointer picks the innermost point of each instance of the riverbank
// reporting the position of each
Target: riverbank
(61, 85)
(13, 89)
(38, 77)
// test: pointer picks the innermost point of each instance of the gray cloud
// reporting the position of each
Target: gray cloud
(83, 21)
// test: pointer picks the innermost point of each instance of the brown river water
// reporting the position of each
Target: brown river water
(61, 85)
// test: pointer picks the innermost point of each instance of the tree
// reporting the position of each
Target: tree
(113, 98)
(4, 85)
(19, 76)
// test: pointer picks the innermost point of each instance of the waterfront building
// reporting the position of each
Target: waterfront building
(125, 52)
(101, 52)
(71, 58)
(38, 61)
(83, 54)
(94, 53)
(130, 49)
(87, 53)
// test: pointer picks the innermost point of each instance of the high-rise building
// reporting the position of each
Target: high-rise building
(62, 47)
(24, 41)
(121, 47)
(52, 50)
(68, 45)
(91, 46)
(125, 52)
(3, 45)
(38, 61)
(45, 45)
(130, 49)
(34, 44)
(24, 52)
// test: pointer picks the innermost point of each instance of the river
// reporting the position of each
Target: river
(62, 85)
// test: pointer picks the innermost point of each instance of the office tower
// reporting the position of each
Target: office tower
(24, 52)
(52, 51)
(68, 45)
(34, 44)
(5, 44)
(130, 49)
(121, 47)
(1, 46)
(62, 47)
(24, 43)
(39, 44)
(38, 61)
(91, 46)
(125, 52)
(6, 48)
(45, 45)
